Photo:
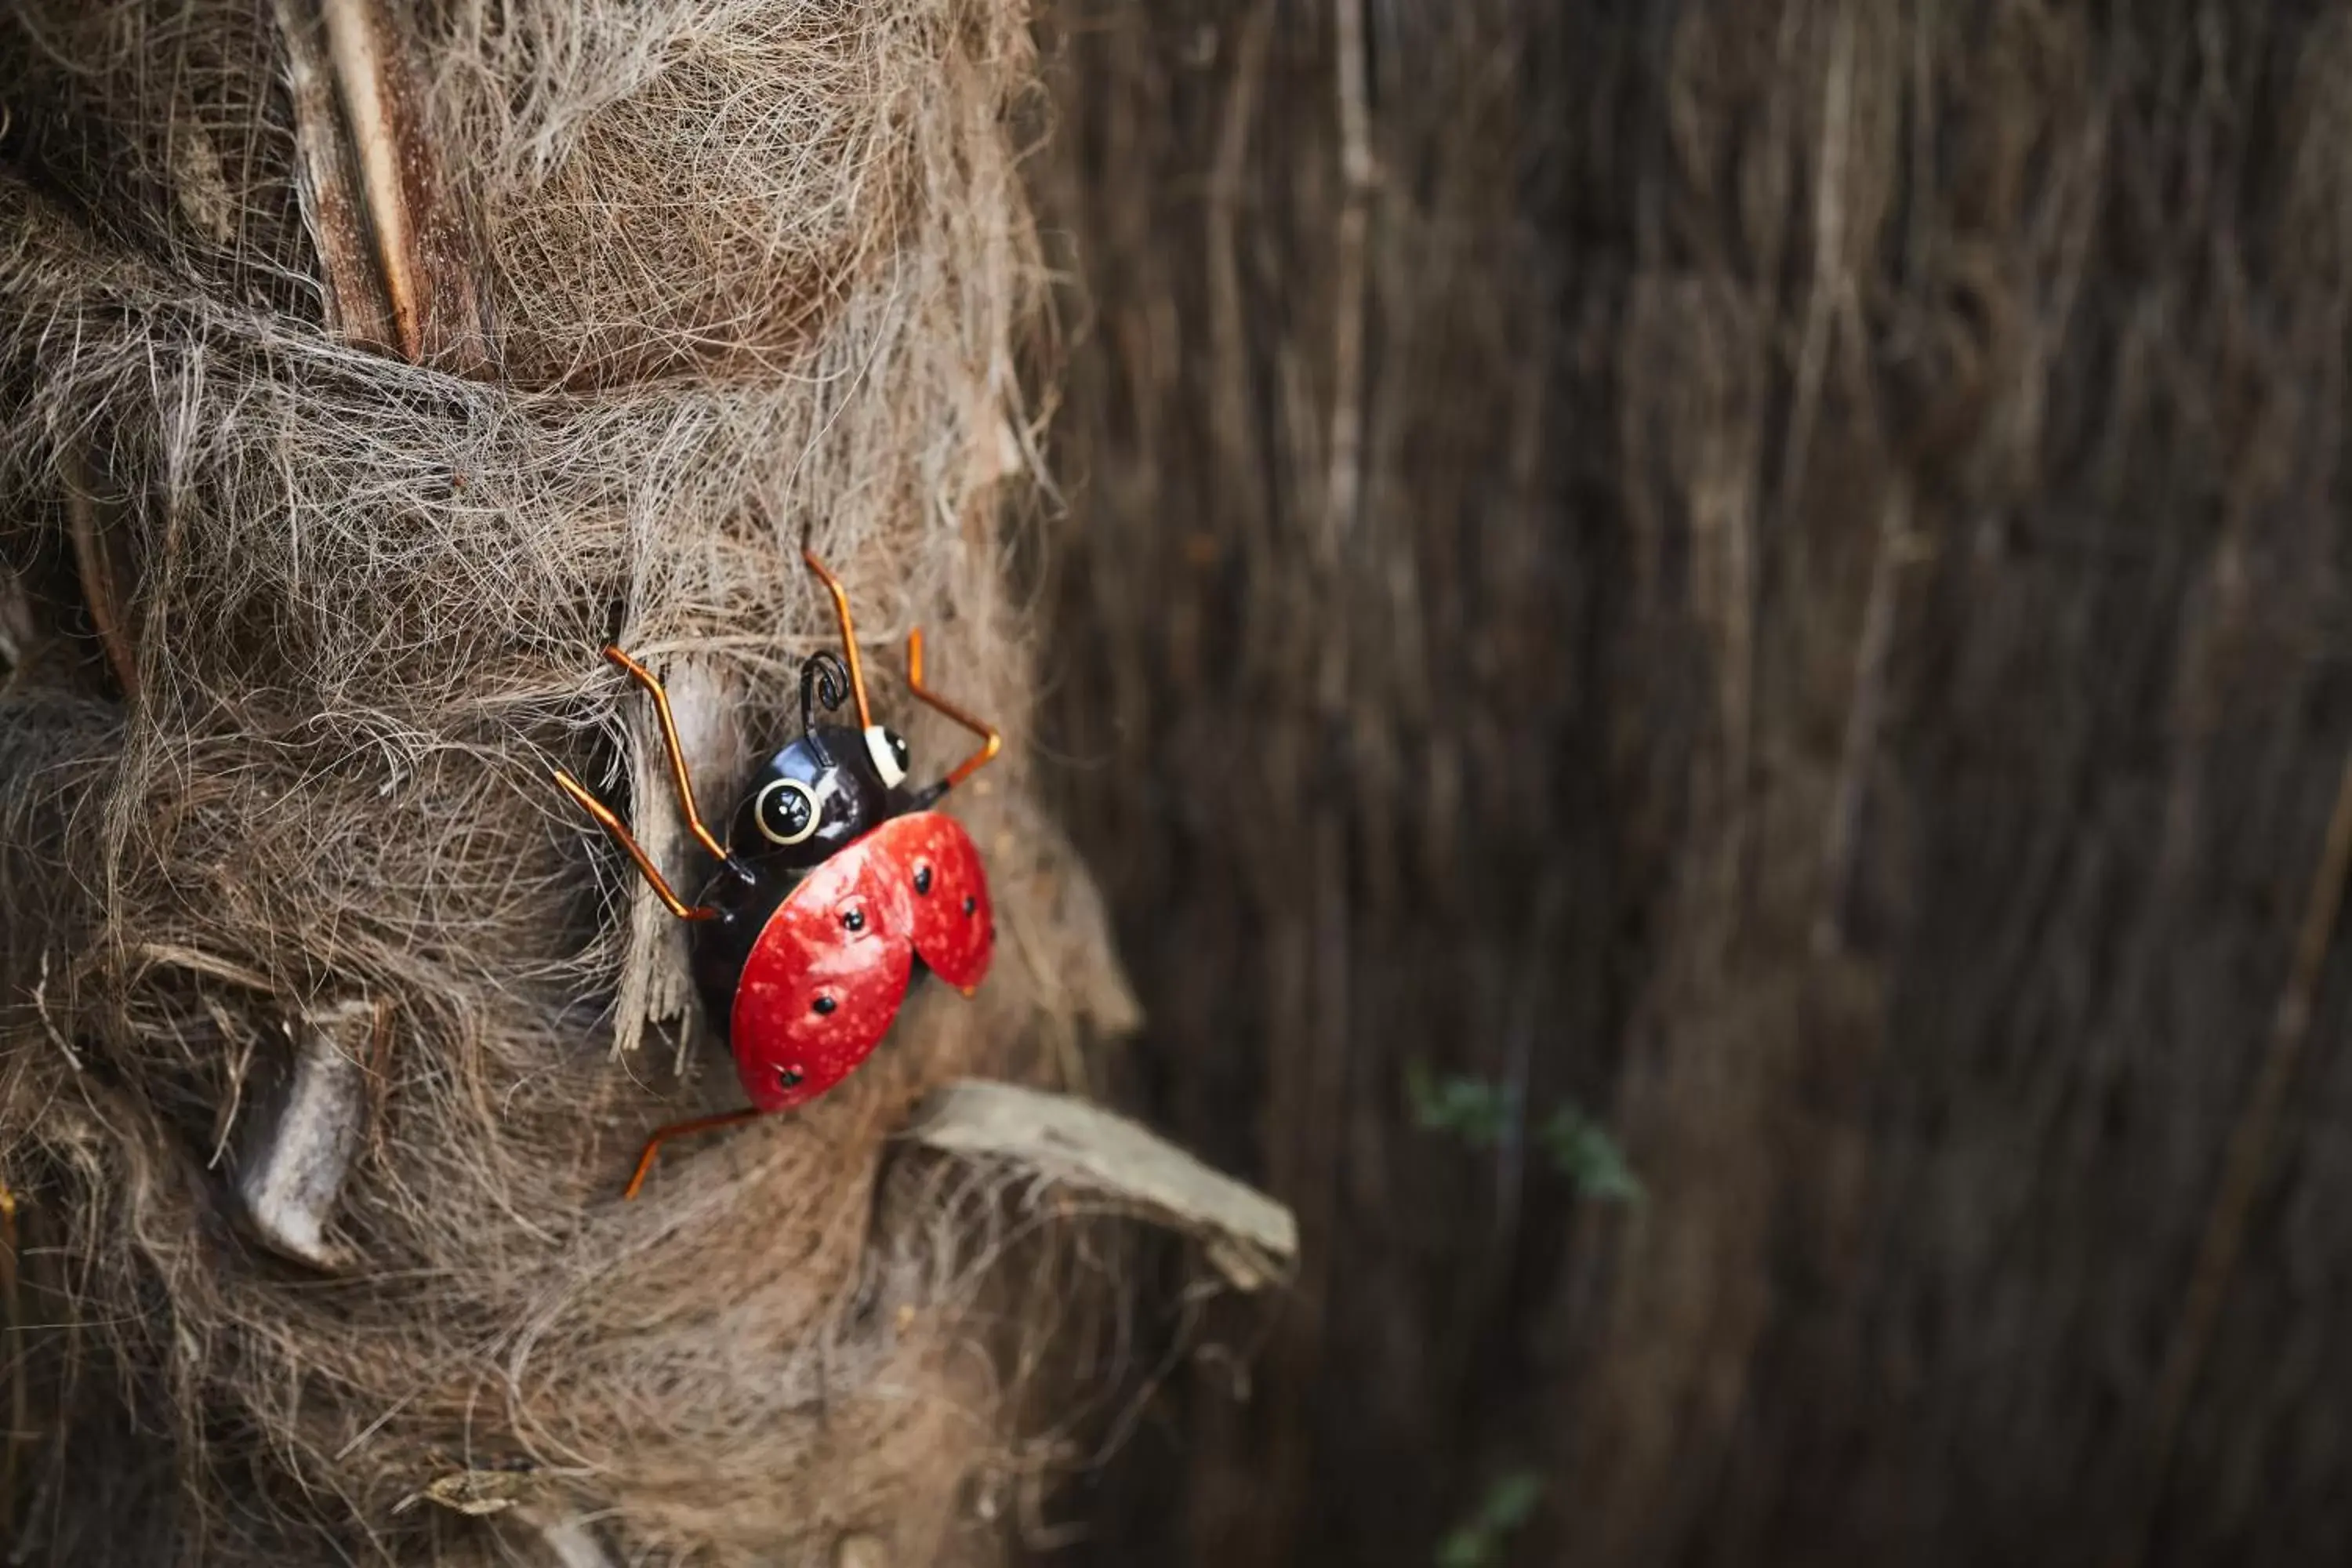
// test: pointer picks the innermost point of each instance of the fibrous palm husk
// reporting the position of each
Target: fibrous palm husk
(365, 370)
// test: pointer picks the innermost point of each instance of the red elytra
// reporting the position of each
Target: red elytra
(816, 995)
(834, 882)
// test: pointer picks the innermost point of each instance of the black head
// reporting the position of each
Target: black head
(824, 790)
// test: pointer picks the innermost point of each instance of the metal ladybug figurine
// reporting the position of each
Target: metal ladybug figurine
(837, 887)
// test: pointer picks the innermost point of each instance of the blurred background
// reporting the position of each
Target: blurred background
(1702, 647)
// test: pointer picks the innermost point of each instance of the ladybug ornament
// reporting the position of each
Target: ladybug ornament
(838, 886)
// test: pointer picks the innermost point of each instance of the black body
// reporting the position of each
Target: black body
(759, 873)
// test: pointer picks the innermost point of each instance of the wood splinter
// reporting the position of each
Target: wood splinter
(294, 1169)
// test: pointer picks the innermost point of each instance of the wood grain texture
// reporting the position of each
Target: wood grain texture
(1836, 674)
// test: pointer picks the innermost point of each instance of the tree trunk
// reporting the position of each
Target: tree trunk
(1770, 572)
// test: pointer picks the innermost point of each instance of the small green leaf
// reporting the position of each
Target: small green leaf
(1583, 1151)
(1509, 1502)
(1464, 1547)
(1470, 1109)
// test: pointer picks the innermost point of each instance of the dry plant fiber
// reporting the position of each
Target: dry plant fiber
(364, 370)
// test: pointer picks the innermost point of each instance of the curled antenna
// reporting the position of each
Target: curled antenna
(822, 679)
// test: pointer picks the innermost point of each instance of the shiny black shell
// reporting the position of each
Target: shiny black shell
(832, 762)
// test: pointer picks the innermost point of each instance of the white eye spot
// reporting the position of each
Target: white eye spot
(786, 812)
(889, 752)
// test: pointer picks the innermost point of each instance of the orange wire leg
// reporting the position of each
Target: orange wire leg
(676, 753)
(612, 825)
(678, 1128)
(848, 636)
(990, 742)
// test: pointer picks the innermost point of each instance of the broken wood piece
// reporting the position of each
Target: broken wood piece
(657, 984)
(395, 252)
(295, 1165)
(356, 307)
(1249, 1238)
